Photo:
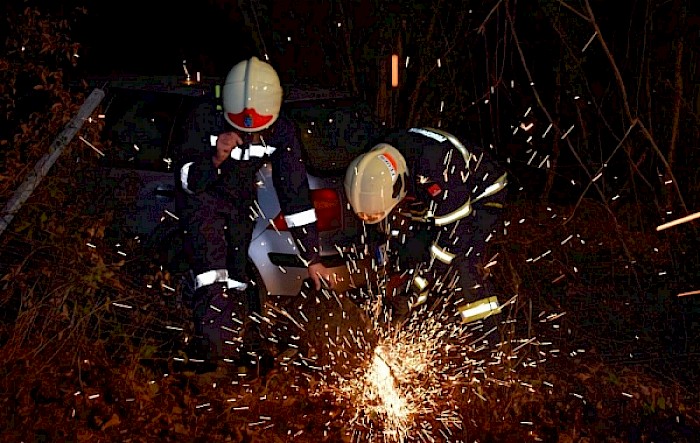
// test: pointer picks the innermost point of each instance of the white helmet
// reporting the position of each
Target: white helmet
(375, 182)
(252, 96)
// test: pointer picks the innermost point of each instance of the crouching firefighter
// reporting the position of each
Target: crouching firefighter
(439, 201)
(216, 206)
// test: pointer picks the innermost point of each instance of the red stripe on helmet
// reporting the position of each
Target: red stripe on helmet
(390, 163)
(249, 119)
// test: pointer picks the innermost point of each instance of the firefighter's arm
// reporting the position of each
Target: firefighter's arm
(412, 248)
(196, 176)
(292, 184)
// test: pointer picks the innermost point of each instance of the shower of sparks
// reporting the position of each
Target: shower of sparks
(410, 384)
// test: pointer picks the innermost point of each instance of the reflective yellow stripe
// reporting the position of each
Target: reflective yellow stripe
(441, 254)
(466, 208)
(455, 142)
(218, 276)
(422, 298)
(420, 283)
(495, 187)
(493, 205)
(479, 309)
(452, 217)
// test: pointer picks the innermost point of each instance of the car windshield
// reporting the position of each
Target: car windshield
(143, 130)
(142, 127)
(332, 132)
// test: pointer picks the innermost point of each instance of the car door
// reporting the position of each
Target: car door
(141, 128)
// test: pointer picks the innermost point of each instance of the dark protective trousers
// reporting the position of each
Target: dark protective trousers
(218, 236)
(469, 269)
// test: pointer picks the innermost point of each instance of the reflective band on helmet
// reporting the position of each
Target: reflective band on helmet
(479, 309)
(300, 218)
(252, 151)
(184, 174)
(390, 164)
(441, 254)
(249, 119)
(217, 276)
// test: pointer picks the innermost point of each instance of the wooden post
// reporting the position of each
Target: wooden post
(42, 167)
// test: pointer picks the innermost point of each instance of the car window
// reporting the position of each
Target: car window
(332, 132)
(143, 127)
(147, 129)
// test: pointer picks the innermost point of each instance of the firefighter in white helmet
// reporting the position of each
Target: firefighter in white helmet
(439, 201)
(218, 192)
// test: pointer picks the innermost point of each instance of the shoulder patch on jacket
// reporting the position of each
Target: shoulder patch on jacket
(434, 190)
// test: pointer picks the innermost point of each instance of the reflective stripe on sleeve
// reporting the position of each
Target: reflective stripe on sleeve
(300, 218)
(261, 151)
(455, 142)
(441, 254)
(239, 154)
(494, 187)
(184, 174)
(479, 309)
(453, 216)
(217, 276)
(420, 283)
(252, 151)
(466, 208)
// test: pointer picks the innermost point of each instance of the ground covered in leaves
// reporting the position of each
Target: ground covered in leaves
(603, 350)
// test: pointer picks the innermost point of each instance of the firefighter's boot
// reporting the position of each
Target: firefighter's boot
(219, 315)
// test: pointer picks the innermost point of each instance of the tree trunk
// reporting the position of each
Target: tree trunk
(677, 104)
(411, 117)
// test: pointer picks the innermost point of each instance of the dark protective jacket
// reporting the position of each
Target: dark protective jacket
(455, 197)
(232, 187)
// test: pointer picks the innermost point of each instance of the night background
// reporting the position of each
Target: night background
(593, 107)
